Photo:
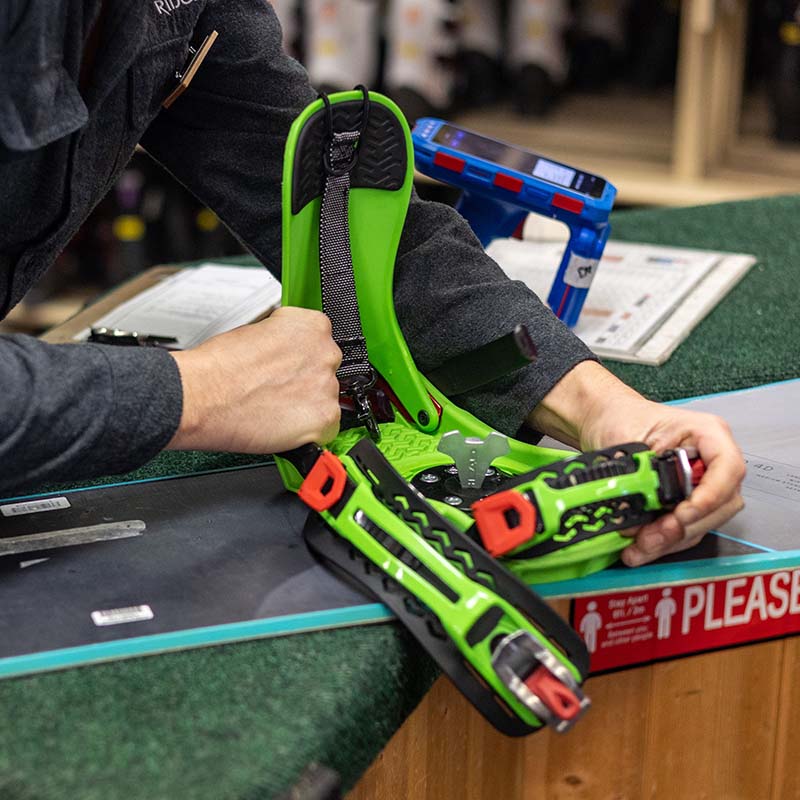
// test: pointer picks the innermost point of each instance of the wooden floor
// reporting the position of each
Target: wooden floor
(721, 726)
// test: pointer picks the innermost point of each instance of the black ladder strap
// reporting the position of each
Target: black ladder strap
(339, 298)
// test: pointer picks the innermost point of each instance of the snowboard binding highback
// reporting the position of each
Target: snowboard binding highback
(416, 497)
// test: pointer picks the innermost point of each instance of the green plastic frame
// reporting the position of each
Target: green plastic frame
(456, 616)
(376, 219)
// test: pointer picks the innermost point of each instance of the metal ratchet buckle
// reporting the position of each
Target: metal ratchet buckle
(690, 468)
(357, 387)
(539, 681)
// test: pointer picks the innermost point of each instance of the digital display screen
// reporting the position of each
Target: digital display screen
(519, 160)
(555, 173)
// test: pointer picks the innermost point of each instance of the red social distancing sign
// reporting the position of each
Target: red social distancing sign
(634, 627)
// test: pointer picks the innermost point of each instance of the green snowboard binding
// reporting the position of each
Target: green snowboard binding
(418, 496)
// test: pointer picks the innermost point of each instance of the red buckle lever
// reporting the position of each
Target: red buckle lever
(698, 470)
(324, 484)
(559, 699)
(491, 518)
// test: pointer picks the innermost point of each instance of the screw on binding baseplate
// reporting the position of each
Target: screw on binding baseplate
(473, 456)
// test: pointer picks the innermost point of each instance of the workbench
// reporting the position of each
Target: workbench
(243, 720)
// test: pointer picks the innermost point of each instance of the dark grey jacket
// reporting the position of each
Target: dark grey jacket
(71, 411)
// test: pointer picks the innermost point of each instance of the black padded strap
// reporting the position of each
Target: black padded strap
(339, 298)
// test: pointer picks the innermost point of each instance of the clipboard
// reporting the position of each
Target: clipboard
(66, 332)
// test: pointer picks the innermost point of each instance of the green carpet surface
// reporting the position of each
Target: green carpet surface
(241, 722)
(752, 337)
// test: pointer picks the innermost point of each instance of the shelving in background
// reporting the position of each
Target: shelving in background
(709, 140)
(705, 142)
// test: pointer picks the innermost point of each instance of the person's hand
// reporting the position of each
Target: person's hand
(261, 388)
(591, 409)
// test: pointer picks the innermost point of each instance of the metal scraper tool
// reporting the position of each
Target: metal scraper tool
(69, 537)
(473, 456)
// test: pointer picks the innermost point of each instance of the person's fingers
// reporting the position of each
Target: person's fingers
(653, 540)
(693, 533)
(725, 470)
(666, 535)
(631, 533)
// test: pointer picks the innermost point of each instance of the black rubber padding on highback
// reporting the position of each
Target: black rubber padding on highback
(382, 159)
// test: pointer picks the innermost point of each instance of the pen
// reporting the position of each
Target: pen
(129, 338)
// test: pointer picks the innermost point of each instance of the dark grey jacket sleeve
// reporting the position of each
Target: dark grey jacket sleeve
(74, 411)
(224, 139)
(451, 298)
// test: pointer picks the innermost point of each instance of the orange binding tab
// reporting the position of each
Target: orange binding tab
(324, 484)
(698, 470)
(562, 702)
(499, 536)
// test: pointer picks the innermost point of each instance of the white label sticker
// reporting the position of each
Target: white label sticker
(580, 271)
(117, 616)
(34, 506)
(32, 562)
(772, 477)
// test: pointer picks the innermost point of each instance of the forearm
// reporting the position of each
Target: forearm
(573, 410)
(75, 411)
(451, 298)
(225, 138)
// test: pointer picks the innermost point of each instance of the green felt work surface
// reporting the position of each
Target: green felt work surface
(752, 337)
(237, 721)
(241, 722)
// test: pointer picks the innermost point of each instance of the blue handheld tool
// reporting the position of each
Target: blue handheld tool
(502, 184)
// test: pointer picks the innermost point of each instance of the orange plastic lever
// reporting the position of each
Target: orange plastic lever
(491, 518)
(324, 484)
(559, 699)
(698, 470)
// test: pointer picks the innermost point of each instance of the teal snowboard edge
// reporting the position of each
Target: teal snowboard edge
(370, 613)
(15, 666)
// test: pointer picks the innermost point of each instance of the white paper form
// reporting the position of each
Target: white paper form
(766, 424)
(197, 303)
(645, 298)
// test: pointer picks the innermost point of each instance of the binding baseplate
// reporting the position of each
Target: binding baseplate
(416, 497)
